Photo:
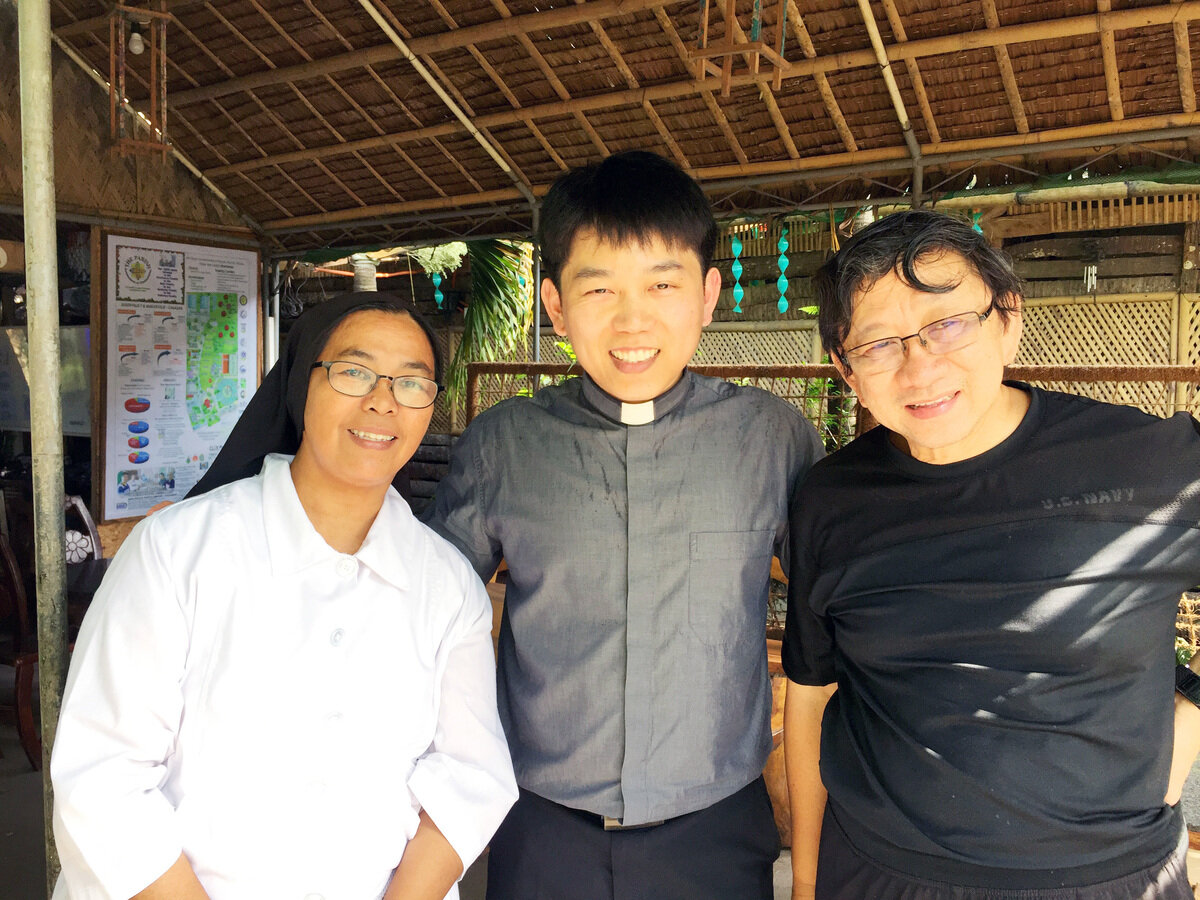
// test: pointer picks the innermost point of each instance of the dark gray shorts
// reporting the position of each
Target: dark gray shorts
(843, 873)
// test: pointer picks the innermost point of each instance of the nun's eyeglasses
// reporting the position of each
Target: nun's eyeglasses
(355, 380)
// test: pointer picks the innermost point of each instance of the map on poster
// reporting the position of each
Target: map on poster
(182, 361)
(74, 373)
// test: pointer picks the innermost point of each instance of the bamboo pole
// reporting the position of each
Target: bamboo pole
(455, 39)
(1098, 134)
(536, 212)
(41, 276)
(1072, 26)
(484, 141)
(1112, 77)
(1179, 347)
(1109, 190)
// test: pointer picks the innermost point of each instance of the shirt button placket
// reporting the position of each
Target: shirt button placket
(346, 568)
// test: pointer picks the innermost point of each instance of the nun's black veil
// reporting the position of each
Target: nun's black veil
(274, 418)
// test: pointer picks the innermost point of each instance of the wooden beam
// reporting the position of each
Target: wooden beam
(1007, 77)
(664, 22)
(631, 81)
(552, 79)
(800, 31)
(97, 23)
(1112, 78)
(464, 202)
(671, 90)
(723, 123)
(781, 125)
(1000, 145)
(505, 27)
(735, 32)
(791, 167)
(914, 72)
(1117, 20)
(1183, 63)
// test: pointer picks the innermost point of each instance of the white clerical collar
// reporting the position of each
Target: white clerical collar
(633, 413)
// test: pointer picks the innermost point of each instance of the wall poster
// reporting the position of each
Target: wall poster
(181, 362)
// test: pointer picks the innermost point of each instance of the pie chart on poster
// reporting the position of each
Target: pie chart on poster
(137, 404)
(138, 441)
(139, 427)
(139, 456)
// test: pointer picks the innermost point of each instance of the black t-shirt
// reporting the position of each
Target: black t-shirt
(1001, 631)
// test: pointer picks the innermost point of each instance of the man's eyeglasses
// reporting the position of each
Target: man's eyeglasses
(940, 337)
(354, 380)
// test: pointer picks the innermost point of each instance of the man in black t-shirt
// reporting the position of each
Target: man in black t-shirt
(989, 580)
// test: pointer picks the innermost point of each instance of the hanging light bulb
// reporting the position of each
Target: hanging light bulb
(137, 45)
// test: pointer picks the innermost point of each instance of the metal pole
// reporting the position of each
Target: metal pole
(275, 321)
(41, 277)
(264, 292)
(537, 285)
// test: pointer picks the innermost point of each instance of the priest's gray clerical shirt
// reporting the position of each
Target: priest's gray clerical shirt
(632, 667)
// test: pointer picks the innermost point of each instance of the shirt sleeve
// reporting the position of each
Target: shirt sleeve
(114, 828)
(810, 451)
(465, 781)
(457, 512)
(808, 642)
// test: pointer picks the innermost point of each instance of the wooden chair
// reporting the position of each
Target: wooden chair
(18, 662)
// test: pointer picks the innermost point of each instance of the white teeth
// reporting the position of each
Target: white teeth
(634, 356)
(932, 402)
(371, 436)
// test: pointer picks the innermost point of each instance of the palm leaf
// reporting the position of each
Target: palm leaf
(499, 311)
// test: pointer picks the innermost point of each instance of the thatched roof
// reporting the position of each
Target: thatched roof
(310, 118)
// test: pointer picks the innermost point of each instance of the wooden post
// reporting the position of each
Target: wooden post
(1189, 286)
(45, 409)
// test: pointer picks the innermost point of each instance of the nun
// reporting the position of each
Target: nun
(285, 685)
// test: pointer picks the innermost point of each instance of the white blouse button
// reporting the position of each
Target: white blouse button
(336, 636)
(314, 897)
(346, 566)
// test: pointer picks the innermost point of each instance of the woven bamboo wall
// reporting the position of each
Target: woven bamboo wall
(1111, 298)
(775, 347)
(1116, 331)
(1189, 346)
(91, 177)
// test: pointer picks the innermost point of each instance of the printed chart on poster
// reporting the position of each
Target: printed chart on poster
(182, 361)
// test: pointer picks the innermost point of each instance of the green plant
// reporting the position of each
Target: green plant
(499, 311)
(1183, 652)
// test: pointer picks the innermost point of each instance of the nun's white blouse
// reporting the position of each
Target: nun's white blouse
(276, 710)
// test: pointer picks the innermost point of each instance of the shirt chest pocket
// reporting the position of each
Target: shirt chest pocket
(727, 585)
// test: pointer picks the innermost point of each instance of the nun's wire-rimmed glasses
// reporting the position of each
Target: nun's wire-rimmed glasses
(940, 337)
(356, 380)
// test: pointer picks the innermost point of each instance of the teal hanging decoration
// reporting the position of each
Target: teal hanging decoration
(756, 22)
(976, 216)
(782, 283)
(738, 291)
(437, 289)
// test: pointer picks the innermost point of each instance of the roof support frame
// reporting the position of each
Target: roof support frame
(1071, 26)
(386, 27)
